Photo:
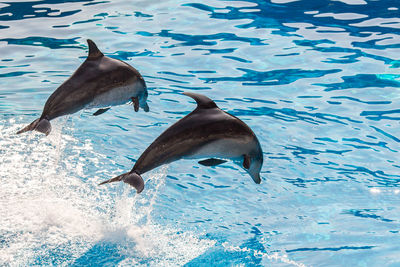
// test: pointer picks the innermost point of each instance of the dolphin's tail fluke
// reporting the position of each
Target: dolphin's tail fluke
(132, 179)
(40, 125)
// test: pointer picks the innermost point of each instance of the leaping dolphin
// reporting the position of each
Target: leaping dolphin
(100, 82)
(207, 132)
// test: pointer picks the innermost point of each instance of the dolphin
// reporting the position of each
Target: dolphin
(100, 82)
(207, 132)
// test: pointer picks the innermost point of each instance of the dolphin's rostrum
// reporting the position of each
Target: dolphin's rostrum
(208, 133)
(100, 82)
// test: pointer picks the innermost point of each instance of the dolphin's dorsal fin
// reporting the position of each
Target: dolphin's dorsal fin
(94, 52)
(201, 100)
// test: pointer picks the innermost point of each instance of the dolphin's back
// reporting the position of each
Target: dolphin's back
(190, 134)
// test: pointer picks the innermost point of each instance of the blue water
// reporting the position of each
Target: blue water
(317, 81)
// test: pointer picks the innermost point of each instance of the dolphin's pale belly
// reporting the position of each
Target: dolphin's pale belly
(223, 148)
(114, 97)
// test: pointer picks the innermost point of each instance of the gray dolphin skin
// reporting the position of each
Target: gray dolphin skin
(100, 82)
(208, 133)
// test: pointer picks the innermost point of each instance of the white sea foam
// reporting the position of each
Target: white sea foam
(268, 258)
(50, 206)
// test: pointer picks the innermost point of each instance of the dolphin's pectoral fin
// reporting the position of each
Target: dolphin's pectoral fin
(100, 111)
(146, 107)
(246, 161)
(211, 162)
(135, 101)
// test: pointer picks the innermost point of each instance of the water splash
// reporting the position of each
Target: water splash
(267, 258)
(140, 239)
(54, 213)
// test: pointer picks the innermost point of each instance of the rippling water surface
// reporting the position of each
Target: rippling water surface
(317, 81)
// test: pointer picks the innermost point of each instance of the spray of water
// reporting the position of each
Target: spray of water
(53, 212)
(267, 258)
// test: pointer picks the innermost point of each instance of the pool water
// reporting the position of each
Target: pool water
(317, 81)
